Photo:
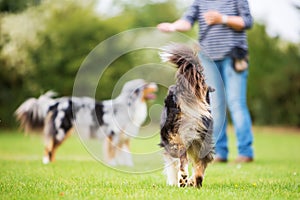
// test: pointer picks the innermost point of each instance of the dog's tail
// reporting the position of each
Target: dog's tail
(190, 77)
(180, 54)
(32, 113)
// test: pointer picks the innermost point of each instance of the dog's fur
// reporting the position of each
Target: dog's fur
(115, 120)
(186, 122)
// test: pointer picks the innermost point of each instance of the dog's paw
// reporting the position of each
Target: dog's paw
(111, 163)
(46, 160)
(191, 182)
(182, 179)
(198, 181)
(195, 181)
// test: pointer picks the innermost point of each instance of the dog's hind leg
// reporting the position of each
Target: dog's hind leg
(198, 173)
(109, 151)
(51, 145)
(48, 138)
(183, 172)
(52, 153)
(48, 150)
(171, 169)
(54, 137)
(57, 143)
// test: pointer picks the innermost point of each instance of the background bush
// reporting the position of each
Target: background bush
(42, 45)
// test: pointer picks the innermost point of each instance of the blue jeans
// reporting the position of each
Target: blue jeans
(235, 85)
(231, 90)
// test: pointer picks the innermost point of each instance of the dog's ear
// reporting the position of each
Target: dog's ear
(134, 95)
(211, 89)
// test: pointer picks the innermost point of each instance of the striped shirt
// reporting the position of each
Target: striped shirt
(218, 40)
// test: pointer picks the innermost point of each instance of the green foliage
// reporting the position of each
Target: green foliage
(68, 37)
(274, 79)
(16, 5)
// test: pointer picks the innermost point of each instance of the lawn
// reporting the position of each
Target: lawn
(275, 174)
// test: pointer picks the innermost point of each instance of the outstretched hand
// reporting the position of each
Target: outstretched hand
(178, 25)
(166, 27)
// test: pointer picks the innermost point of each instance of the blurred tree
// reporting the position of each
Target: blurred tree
(69, 34)
(16, 5)
(274, 79)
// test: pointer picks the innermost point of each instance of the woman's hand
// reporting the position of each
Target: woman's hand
(179, 25)
(166, 27)
(213, 17)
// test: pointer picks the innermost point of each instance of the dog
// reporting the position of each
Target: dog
(186, 120)
(115, 121)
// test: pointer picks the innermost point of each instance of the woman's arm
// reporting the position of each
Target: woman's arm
(179, 25)
(214, 17)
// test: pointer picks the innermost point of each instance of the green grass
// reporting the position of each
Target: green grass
(275, 174)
